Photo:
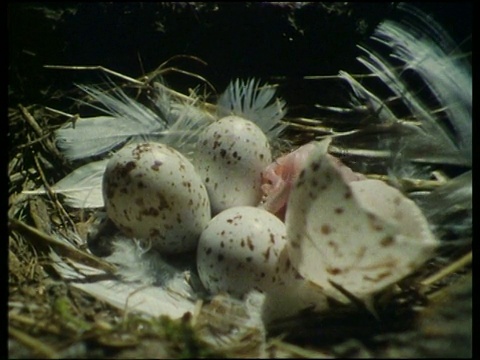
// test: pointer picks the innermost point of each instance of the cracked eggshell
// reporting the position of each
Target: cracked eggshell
(231, 155)
(363, 235)
(152, 191)
(238, 251)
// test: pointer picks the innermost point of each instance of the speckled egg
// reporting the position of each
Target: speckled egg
(239, 249)
(231, 155)
(151, 191)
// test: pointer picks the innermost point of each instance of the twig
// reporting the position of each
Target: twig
(52, 195)
(328, 77)
(410, 184)
(38, 130)
(96, 67)
(145, 79)
(382, 154)
(32, 142)
(31, 120)
(55, 111)
(36, 345)
(65, 250)
(447, 270)
(34, 322)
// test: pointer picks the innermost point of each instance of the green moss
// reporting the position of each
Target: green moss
(64, 310)
(178, 335)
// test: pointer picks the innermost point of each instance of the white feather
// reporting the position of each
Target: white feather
(126, 118)
(82, 188)
(425, 49)
(185, 120)
(448, 78)
(429, 51)
(93, 142)
(253, 102)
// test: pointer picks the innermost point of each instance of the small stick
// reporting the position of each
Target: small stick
(410, 184)
(34, 322)
(52, 194)
(38, 130)
(68, 251)
(96, 67)
(34, 344)
(444, 272)
(31, 120)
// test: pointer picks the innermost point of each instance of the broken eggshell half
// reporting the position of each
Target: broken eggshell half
(151, 191)
(362, 235)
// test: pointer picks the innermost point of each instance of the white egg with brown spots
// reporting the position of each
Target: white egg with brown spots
(152, 191)
(231, 155)
(239, 250)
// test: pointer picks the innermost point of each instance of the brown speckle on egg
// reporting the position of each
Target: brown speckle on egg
(326, 229)
(266, 254)
(333, 245)
(374, 222)
(250, 243)
(315, 166)
(272, 238)
(334, 270)
(156, 165)
(387, 241)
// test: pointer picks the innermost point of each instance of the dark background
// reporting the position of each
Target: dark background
(275, 42)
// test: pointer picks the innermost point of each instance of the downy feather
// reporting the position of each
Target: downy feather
(139, 264)
(185, 120)
(174, 298)
(253, 102)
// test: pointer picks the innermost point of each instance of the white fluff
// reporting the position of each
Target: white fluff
(173, 298)
(141, 264)
(256, 103)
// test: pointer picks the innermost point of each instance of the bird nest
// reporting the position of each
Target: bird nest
(426, 314)
(55, 310)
